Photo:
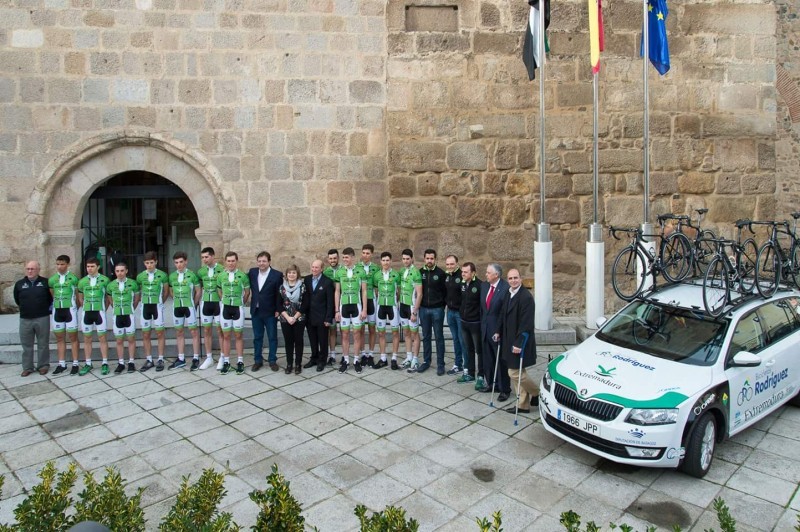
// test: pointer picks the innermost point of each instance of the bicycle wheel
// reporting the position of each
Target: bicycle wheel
(627, 274)
(676, 257)
(704, 251)
(768, 270)
(794, 267)
(715, 287)
(746, 261)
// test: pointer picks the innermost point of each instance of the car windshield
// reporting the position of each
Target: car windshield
(669, 333)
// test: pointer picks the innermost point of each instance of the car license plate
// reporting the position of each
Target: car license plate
(575, 421)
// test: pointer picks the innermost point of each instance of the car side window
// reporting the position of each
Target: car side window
(779, 319)
(747, 336)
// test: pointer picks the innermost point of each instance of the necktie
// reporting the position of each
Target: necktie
(314, 281)
(489, 297)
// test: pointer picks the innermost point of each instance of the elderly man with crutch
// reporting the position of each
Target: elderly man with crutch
(518, 344)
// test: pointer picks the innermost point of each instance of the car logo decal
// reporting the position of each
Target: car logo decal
(636, 433)
(584, 392)
(603, 372)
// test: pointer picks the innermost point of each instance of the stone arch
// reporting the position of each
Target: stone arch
(59, 197)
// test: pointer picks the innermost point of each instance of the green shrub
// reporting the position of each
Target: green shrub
(279, 511)
(391, 519)
(45, 508)
(195, 507)
(726, 522)
(106, 503)
(494, 526)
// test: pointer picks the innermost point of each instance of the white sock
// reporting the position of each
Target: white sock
(122, 361)
(76, 363)
(181, 356)
(383, 357)
(240, 359)
(195, 357)
(62, 363)
(394, 356)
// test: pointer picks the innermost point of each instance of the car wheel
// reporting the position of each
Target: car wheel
(700, 447)
(795, 401)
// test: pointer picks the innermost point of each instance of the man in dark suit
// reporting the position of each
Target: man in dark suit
(264, 304)
(318, 310)
(493, 293)
(516, 335)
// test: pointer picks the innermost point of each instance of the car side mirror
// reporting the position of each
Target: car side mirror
(600, 321)
(746, 359)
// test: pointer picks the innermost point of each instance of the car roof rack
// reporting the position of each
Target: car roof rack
(651, 295)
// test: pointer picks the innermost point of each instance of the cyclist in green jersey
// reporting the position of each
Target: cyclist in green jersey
(185, 289)
(367, 346)
(210, 309)
(92, 300)
(64, 318)
(387, 283)
(410, 300)
(330, 272)
(124, 294)
(154, 287)
(233, 288)
(350, 299)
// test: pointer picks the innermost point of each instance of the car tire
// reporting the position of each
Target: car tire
(700, 447)
(795, 401)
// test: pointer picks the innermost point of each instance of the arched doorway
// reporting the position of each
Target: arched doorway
(56, 208)
(138, 211)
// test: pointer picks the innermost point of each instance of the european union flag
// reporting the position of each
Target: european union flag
(657, 33)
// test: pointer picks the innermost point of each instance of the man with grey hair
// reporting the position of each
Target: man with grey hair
(493, 294)
(32, 296)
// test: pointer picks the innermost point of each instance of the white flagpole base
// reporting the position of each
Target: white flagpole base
(650, 244)
(595, 286)
(543, 285)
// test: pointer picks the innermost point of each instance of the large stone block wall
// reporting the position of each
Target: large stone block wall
(337, 122)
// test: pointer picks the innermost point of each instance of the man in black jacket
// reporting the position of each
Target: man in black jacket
(515, 329)
(493, 293)
(470, 312)
(264, 302)
(32, 296)
(318, 310)
(431, 312)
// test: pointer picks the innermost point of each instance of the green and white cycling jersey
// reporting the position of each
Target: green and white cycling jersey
(94, 292)
(330, 273)
(386, 285)
(350, 282)
(64, 288)
(409, 279)
(369, 270)
(183, 285)
(208, 278)
(152, 286)
(122, 295)
(232, 286)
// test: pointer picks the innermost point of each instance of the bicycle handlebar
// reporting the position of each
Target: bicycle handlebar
(613, 231)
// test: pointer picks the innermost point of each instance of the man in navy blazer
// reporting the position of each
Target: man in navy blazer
(264, 304)
(493, 293)
(318, 307)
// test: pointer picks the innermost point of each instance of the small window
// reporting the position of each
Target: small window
(779, 319)
(747, 336)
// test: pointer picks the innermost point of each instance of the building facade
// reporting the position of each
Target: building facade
(299, 125)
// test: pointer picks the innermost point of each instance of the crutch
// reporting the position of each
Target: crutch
(519, 380)
(494, 378)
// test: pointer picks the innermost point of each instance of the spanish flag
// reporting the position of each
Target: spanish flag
(595, 33)
(531, 55)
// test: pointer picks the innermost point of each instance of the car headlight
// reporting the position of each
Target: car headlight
(653, 416)
(547, 381)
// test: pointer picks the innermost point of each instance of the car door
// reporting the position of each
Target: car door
(778, 380)
(748, 335)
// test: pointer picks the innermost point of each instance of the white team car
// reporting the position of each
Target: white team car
(661, 383)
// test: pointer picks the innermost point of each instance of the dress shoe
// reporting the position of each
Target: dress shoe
(310, 364)
(27, 372)
(534, 400)
(321, 367)
(257, 366)
(298, 370)
(485, 389)
(440, 371)
(423, 367)
(43, 370)
(513, 410)
(273, 366)
(503, 397)
(288, 370)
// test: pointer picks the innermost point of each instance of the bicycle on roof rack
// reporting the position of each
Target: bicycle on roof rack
(728, 272)
(635, 262)
(775, 262)
(702, 248)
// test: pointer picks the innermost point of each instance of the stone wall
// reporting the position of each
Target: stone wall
(337, 122)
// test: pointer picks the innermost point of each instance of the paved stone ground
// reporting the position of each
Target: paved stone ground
(383, 437)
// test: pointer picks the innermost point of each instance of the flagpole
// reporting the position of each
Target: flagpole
(542, 247)
(647, 227)
(595, 247)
